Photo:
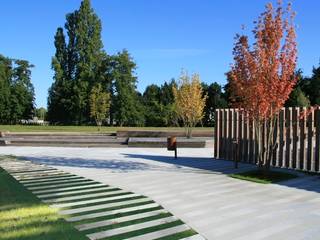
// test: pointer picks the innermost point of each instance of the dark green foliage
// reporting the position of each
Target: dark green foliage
(158, 104)
(297, 98)
(77, 65)
(215, 99)
(80, 63)
(126, 109)
(16, 90)
(311, 86)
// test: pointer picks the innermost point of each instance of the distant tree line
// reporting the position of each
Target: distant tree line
(16, 90)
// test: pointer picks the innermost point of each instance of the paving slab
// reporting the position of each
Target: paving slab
(90, 186)
(95, 201)
(102, 206)
(162, 233)
(112, 212)
(134, 227)
(84, 196)
(87, 226)
(61, 194)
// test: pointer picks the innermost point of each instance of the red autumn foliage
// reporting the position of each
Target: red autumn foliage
(263, 76)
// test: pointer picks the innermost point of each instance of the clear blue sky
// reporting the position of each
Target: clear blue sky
(163, 36)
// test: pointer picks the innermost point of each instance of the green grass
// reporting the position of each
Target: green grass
(24, 217)
(259, 176)
(86, 129)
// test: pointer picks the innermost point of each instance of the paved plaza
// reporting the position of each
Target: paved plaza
(196, 189)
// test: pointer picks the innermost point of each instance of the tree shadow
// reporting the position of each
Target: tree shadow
(204, 165)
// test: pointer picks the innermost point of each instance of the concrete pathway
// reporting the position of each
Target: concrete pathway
(195, 189)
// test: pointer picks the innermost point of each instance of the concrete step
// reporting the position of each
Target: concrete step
(79, 197)
(112, 212)
(161, 233)
(112, 221)
(82, 191)
(139, 226)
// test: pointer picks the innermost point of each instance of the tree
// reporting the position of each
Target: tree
(126, 107)
(78, 64)
(5, 91)
(215, 99)
(263, 77)
(16, 90)
(41, 113)
(154, 110)
(99, 104)
(311, 86)
(189, 101)
(22, 91)
(297, 98)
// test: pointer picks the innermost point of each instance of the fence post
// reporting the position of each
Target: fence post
(317, 140)
(295, 137)
(310, 155)
(303, 128)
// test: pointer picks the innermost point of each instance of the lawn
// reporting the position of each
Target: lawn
(24, 217)
(259, 176)
(86, 129)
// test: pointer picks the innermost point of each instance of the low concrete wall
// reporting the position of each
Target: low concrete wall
(162, 142)
(161, 134)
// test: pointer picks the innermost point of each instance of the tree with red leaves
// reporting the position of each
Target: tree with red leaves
(263, 76)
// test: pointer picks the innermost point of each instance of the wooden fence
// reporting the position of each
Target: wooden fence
(297, 138)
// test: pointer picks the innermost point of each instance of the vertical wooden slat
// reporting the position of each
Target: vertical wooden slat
(281, 137)
(277, 142)
(288, 162)
(251, 143)
(245, 137)
(295, 138)
(275, 138)
(303, 130)
(310, 154)
(230, 119)
(216, 134)
(227, 146)
(222, 146)
(231, 124)
(317, 138)
(240, 134)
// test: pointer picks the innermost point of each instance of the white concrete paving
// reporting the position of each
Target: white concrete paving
(195, 189)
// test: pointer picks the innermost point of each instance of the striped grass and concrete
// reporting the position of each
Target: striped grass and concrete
(98, 210)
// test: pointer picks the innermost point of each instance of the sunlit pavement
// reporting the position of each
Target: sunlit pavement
(196, 189)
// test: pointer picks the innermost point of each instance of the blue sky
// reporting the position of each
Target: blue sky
(163, 36)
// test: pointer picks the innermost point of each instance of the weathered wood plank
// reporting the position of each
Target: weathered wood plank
(295, 136)
(303, 130)
(310, 144)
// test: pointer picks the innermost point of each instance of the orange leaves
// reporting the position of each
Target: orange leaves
(263, 76)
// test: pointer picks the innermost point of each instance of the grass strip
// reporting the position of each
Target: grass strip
(260, 176)
(24, 217)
